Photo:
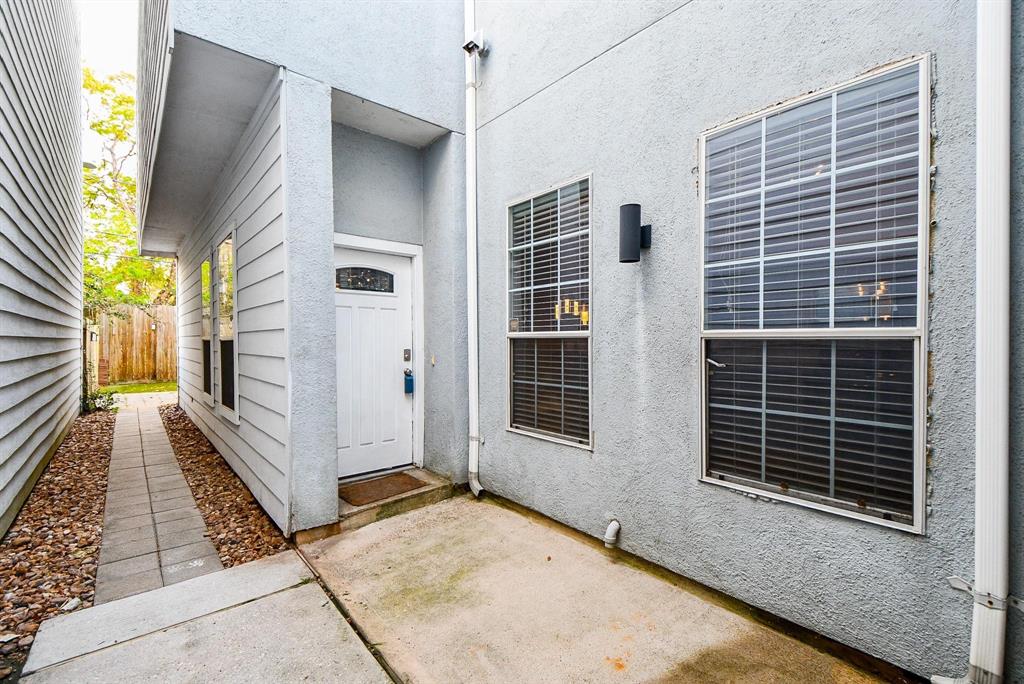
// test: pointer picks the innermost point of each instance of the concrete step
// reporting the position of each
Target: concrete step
(70, 636)
(435, 488)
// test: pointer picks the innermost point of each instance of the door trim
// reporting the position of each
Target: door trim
(415, 254)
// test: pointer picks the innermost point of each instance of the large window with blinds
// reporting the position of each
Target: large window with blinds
(815, 228)
(549, 314)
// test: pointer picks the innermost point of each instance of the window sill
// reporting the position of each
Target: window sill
(917, 528)
(228, 415)
(550, 438)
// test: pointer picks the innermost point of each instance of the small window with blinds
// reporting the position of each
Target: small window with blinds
(549, 314)
(814, 222)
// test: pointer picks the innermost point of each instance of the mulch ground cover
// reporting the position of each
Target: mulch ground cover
(48, 556)
(238, 527)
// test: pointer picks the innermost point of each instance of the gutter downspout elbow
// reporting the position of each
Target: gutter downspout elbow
(473, 326)
(991, 584)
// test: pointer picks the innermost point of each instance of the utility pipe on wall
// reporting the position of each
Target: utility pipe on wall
(472, 49)
(992, 346)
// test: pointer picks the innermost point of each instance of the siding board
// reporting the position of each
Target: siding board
(249, 197)
(40, 240)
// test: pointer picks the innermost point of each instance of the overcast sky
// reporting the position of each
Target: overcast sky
(109, 34)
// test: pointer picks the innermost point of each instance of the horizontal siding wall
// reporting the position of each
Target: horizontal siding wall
(250, 196)
(40, 240)
(155, 43)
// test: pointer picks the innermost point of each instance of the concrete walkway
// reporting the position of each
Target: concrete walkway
(153, 533)
(264, 621)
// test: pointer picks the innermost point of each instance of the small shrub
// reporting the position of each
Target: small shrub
(99, 400)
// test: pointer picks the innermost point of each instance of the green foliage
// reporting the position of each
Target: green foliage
(115, 273)
(99, 400)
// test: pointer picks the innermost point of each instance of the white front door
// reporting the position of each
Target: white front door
(373, 308)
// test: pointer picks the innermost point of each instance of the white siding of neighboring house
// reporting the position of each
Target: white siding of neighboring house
(40, 240)
(250, 196)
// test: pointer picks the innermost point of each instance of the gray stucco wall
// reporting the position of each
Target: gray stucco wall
(628, 107)
(309, 236)
(404, 55)
(446, 426)
(40, 240)
(378, 187)
(1015, 637)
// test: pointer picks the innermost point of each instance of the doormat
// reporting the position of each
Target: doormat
(378, 489)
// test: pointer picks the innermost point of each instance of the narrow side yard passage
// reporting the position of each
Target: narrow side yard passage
(153, 532)
(470, 591)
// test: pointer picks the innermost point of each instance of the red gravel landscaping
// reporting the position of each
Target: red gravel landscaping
(48, 556)
(238, 527)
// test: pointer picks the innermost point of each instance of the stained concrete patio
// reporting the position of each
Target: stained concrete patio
(469, 591)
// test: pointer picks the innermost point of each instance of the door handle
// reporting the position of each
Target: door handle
(409, 385)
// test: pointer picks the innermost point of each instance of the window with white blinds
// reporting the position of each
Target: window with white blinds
(812, 297)
(549, 314)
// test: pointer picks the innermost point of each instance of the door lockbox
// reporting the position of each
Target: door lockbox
(408, 381)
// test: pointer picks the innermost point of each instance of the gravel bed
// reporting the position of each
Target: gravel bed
(48, 556)
(238, 527)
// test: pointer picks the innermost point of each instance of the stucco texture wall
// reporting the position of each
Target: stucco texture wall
(404, 55)
(309, 239)
(446, 427)
(635, 89)
(378, 187)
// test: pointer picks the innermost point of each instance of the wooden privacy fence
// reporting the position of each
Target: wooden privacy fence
(142, 346)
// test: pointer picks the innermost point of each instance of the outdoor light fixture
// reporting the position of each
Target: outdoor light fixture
(632, 236)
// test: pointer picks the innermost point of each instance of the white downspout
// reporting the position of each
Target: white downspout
(992, 346)
(473, 347)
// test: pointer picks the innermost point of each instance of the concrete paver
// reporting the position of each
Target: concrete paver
(149, 511)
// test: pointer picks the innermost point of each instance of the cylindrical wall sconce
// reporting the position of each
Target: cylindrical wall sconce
(632, 236)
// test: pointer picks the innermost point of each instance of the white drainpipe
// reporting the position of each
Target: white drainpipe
(992, 347)
(472, 47)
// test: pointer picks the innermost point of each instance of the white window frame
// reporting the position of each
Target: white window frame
(918, 333)
(588, 333)
(223, 411)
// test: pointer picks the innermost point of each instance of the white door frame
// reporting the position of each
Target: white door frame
(415, 253)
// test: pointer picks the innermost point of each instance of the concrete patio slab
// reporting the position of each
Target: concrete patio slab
(295, 635)
(469, 590)
(77, 634)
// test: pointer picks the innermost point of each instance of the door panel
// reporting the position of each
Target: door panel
(373, 306)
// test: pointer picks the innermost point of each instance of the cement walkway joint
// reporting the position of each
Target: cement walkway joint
(153, 533)
(264, 621)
